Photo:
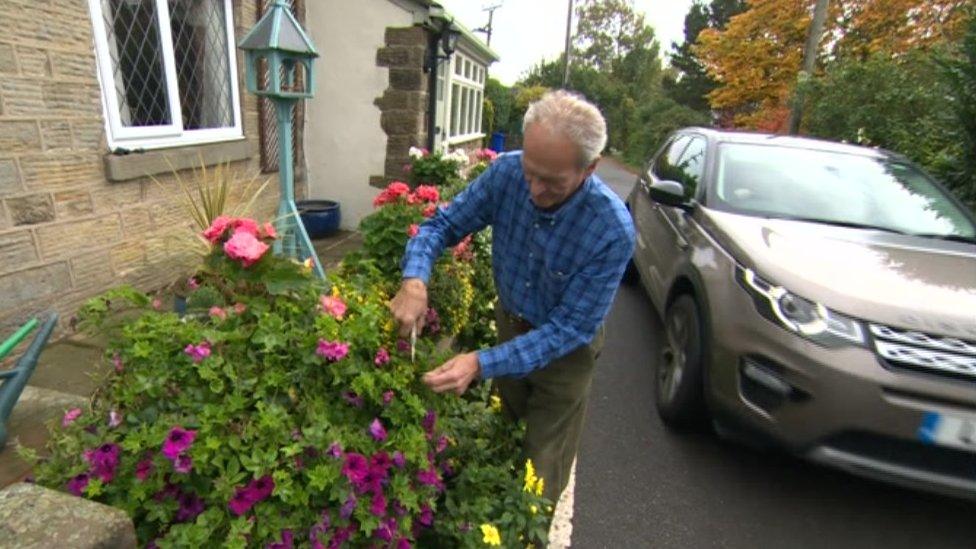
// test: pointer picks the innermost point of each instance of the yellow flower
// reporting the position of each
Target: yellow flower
(307, 264)
(491, 535)
(335, 290)
(496, 403)
(530, 478)
(534, 509)
(539, 486)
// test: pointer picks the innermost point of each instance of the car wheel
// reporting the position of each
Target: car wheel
(678, 380)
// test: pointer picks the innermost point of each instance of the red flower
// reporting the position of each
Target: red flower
(430, 210)
(412, 230)
(427, 193)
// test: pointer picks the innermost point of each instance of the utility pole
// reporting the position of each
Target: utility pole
(491, 16)
(569, 36)
(809, 61)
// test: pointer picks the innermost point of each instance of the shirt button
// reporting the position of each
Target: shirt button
(531, 255)
(536, 225)
(528, 284)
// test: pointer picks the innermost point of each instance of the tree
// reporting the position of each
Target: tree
(959, 71)
(897, 26)
(608, 30)
(502, 98)
(691, 84)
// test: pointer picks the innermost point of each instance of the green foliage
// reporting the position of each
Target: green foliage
(959, 70)
(502, 99)
(435, 168)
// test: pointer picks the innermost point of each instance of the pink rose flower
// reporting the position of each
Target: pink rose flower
(217, 312)
(268, 231)
(332, 306)
(245, 247)
(216, 230)
(247, 225)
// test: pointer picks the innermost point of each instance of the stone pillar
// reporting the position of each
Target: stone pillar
(404, 103)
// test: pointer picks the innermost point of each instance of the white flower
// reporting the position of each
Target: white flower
(458, 155)
(416, 152)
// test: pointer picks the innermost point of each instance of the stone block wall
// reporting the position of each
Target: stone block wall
(404, 103)
(67, 232)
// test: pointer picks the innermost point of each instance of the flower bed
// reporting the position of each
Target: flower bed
(281, 411)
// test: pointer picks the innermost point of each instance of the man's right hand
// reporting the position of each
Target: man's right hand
(409, 306)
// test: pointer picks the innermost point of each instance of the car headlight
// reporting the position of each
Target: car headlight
(799, 315)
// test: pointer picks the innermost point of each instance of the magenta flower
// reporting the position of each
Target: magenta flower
(386, 530)
(380, 461)
(430, 477)
(241, 502)
(426, 515)
(378, 506)
(190, 507)
(398, 508)
(382, 357)
(403, 346)
(114, 419)
(104, 460)
(355, 467)
(183, 464)
(117, 362)
(198, 352)
(353, 399)
(429, 423)
(332, 351)
(403, 543)
(70, 416)
(177, 442)
(245, 247)
(78, 484)
(262, 487)
(377, 430)
(144, 469)
(332, 306)
(399, 460)
(388, 397)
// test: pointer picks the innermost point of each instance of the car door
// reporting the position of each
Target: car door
(653, 231)
(668, 228)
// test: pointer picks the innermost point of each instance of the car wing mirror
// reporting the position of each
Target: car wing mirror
(669, 193)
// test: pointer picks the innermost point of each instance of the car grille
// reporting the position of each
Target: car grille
(945, 356)
(907, 453)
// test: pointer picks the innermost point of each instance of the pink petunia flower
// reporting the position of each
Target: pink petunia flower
(333, 351)
(198, 352)
(70, 416)
(192, 283)
(183, 464)
(377, 430)
(104, 460)
(245, 247)
(412, 230)
(399, 459)
(388, 397)
(332, 306)
(144, 468)
(241, 502)
(178, 441)
(378, 506)
(426, 515)
(335, 450)
(382, 357)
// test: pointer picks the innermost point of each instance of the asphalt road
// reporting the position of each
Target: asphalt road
(640, 485)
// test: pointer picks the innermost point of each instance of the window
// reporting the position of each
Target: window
(466, 99)
(664, 167)
(691, 166)
(168, 71)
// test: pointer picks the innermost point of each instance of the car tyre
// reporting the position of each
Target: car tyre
(678, 385)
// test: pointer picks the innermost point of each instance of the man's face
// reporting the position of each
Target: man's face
(552, 166)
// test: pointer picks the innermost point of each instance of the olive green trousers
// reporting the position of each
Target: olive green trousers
(552, 403)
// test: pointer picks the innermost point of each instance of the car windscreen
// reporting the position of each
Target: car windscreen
(836, 188)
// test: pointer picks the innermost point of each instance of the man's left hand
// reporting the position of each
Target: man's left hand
(454, 375)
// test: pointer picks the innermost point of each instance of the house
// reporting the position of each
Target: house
(101, 100)
(373, 100)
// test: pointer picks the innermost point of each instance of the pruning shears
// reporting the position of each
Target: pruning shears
(413, 342)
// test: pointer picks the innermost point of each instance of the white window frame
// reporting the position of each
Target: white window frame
(173, 134)
(471, 92)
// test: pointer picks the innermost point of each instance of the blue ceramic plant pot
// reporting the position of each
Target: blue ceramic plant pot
(320, 217)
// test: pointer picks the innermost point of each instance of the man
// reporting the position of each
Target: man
(561, 243)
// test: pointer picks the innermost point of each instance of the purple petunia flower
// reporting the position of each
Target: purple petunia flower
(430, 477)
(190, 507)
(426, 515)
(333, 351)
(183, 464)
(403, 346)
(262, 487)
(241, 502)
(335, 450)
(380, 460)
(378, 506)
(104, 460)
(386, 530)
(355, 468)
(348, 507)
(398, 508)
(441, 444)
(403, 543)
(353, 399)
(382, 357)
(177, 442)
(377, 430)
(78, 484)
(144, 469)
(429, 423)
(399, 460)
(388, 397)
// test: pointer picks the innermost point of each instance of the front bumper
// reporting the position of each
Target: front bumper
(841, 407)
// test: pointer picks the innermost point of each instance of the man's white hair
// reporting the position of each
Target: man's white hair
(576, 118)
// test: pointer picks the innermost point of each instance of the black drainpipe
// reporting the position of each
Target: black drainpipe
(433, 44)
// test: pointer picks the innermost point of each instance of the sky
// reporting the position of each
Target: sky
(527, 31)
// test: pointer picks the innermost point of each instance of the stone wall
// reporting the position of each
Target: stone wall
(66, 232)
(404, 103)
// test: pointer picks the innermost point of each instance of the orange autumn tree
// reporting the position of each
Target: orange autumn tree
(756, 59)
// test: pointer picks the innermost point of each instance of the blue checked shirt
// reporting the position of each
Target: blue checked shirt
(559, 271)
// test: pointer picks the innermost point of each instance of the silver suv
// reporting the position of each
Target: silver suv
(820, 295)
